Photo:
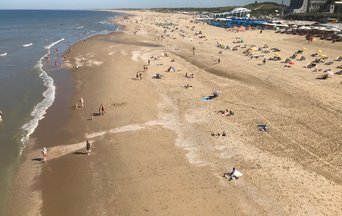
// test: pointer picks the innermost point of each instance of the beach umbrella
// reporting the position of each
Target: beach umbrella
(319, 51)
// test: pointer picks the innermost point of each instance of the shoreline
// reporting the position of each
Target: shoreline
(152, 129)
(28, 152)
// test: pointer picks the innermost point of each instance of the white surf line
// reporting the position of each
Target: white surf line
(61, 150)
(126, 128)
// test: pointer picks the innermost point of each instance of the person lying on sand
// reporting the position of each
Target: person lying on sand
(302, 58)
(311, 65)
(324, 76)
(187, 86)
(230, 175)
(294, 56)
(275, 58)
(317, 70)
(263, 127)
(157, 76)
(219, 134)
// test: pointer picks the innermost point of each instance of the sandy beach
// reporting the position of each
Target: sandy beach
(153, 152)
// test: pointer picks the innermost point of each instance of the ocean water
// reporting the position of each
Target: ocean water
(31, 45)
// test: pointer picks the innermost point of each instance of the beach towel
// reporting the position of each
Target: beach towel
(206, 99)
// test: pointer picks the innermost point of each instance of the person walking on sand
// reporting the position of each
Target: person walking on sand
(88, 147)
(101, 110)
(44, 154)
(1, 116)
(148, 62)
(264, 61)
(140, 76)
(218, 60)
(82, 101)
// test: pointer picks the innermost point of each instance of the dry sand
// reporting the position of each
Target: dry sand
(152, 151)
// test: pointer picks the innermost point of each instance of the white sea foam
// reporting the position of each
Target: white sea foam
(39, 110)
(3, 54)
(27, 45)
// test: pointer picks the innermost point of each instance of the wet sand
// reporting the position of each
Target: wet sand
(152, 152)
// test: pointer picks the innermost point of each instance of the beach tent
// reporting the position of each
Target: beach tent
(173, 69)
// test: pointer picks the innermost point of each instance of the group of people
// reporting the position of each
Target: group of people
(138, 75)
(219, 134)
(226, 112)
(44, 151)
